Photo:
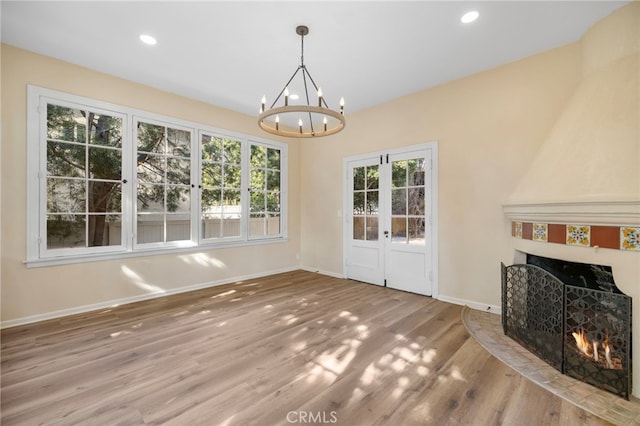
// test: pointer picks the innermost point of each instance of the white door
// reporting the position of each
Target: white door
(390, 219)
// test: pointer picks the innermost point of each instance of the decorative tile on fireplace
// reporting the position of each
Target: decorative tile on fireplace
(618, 237)
(579, 235)
(540, 232)
(629, 238)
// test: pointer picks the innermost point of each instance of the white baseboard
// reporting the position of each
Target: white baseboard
(321, 271)
(494, 309)
(117, 302)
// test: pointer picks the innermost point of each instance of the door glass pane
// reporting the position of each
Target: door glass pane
(416, 202)
(358, 203)
(104, 230)
(358, 227)
(66, 124)
(372, 202)
(358, 178)
(65, 159)
(398, 229)
(398, 201)
(150, 139)
(105, 130)
(105, 197)
(399, 174)
(416, 231)
(372, 228)
(105, 163)
(178, 227)
(373, 177)
(66, 196)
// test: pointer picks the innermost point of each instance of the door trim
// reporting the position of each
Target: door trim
(433, 147)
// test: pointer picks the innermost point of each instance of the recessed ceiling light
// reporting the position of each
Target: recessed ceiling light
(147, 39)
(469, 17)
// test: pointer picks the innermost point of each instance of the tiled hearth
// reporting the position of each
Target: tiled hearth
(486, 328)
(612, 237)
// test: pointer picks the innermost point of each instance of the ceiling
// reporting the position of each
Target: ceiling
(231, 53)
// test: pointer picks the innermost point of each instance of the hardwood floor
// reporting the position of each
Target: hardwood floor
(294, 348)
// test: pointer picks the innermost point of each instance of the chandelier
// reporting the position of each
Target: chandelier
(301, 120)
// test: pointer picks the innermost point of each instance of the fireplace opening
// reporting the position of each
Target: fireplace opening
(573, 316)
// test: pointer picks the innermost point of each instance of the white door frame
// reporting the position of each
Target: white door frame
(346, 214)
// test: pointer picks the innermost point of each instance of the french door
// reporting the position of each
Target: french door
(390, 234)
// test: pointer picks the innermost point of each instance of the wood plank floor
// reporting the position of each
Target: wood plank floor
(294, 348)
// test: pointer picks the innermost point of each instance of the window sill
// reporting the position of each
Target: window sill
(65, 260)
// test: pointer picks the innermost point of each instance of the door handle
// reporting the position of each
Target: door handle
(386, 234)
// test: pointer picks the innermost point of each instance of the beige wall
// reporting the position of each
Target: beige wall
(40, 291)
(488, 127)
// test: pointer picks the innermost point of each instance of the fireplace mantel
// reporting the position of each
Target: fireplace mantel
(586, 212)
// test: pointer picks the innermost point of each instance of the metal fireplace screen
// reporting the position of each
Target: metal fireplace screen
(582, 332)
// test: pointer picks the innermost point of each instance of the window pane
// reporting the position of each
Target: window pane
(66, 124)
(105, 197)
(66, 196)
(273, 181)
(150, 198)
(178, 142)
(151, 168)
(150, 228)
(65, 159)
(258, 156)
(273, 225)
(178, 199)
(232, 151)
(232, 176)
(210, 226)
(66, 231)
(212, 175)
(358, 178)
(257, 202)
(210, 199)
(399, 201)
(104, 230)
(150, 138)
(273, 202)
(358, 203)
(258, 180)
(105, 130)
(211, 148)
(105, 163)
(273, 158)
(257, 225)
(178, 227)
(178, 171)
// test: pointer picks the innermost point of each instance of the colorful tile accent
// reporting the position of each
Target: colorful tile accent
(579, 235)
(540, 232)
(630, 238)
(518, 230)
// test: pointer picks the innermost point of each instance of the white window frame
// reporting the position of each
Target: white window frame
(37, 253)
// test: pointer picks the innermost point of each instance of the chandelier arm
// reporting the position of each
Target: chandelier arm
(306, 93)
(285, 87)
(315, 86)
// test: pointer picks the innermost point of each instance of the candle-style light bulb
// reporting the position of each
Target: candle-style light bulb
(300, 124)
(319, 97)
(342, 106)
(277, 122)
(286, 96)
(324, 121)
(264, 101)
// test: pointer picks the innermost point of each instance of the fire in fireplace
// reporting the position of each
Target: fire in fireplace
(573, 316)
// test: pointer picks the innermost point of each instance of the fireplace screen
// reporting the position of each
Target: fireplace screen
(582, 331)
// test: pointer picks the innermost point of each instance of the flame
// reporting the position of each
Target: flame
(590, 350)
(582, 343)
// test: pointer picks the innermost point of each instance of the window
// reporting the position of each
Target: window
(108, 181)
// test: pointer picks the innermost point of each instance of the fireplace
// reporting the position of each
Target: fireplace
(573, 316)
